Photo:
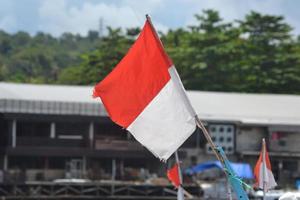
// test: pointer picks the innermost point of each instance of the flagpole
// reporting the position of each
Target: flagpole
(153, 29)
(217, 153)
(264, 166)
(178, 164)
(213, 147)
(208, 138)
(180, 195)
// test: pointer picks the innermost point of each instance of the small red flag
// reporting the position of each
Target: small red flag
(173, 175)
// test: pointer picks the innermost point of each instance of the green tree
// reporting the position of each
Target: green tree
(271, 60)
(21, 39)
(98, 63)
(206, 53)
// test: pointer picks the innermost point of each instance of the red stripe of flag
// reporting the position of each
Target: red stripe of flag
(173, 175)
(136, 80)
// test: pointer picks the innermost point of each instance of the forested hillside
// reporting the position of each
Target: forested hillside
(256, 54)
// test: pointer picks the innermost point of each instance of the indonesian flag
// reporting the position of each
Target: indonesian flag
(173, 175)
(263, 172)
(144, 94)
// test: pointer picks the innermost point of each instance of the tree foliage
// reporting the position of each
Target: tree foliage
(256, 54)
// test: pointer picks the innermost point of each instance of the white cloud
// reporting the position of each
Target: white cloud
(56, 17)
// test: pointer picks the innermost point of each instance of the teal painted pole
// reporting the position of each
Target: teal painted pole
(235, 181)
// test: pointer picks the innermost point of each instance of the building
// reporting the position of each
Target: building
(50, 132)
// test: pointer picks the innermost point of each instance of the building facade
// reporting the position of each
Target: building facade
(61, 132)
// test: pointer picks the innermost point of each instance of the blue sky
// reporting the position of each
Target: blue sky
(79, 16)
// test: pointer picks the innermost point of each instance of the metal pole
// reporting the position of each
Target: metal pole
(180, 192)
(264, 166)
(178, 164)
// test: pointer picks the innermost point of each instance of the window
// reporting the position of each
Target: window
(221, 139)
(222, 135)
(71, 130)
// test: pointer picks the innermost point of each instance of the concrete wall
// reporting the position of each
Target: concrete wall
(249, 138)
(285, 142)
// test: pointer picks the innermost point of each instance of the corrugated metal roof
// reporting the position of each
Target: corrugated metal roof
(49, 99)
(34, 92)
(247, 108)
(220, 106)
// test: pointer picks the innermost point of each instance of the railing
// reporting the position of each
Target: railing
(92, 190)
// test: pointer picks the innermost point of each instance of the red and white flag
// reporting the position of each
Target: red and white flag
(144, 94)
(263, 172)
(173, 175)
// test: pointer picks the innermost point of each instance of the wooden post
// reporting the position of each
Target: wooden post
(208, 138)
(46, 167)
(113, 175)
(5, 162)
(84, 167)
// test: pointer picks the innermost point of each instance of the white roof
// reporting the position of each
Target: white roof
(34, 92)
(219, 106)
(49, 99)
(247, 108)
